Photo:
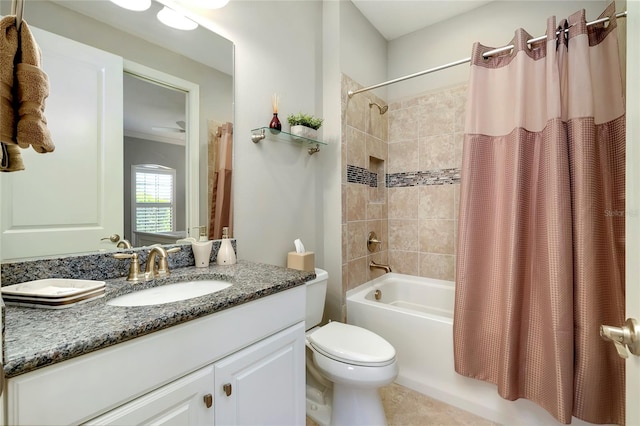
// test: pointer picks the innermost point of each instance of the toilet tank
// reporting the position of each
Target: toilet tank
(316, 293)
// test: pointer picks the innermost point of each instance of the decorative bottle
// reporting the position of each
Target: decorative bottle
(226, 254)
(275, 122)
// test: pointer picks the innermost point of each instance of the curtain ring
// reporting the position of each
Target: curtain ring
(562, 34)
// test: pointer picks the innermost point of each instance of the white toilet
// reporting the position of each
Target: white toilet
(345, 366)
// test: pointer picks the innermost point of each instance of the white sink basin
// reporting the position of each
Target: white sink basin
(169, 293)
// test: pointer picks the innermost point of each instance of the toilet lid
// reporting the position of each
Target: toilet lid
(352, 345)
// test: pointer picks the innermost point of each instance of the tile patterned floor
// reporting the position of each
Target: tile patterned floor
(405, 407)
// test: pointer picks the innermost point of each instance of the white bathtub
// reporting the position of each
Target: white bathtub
(416, 316)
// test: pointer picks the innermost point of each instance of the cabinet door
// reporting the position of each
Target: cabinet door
(180, 403)
(264, 383)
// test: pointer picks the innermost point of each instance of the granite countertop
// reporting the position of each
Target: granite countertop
(35, 338)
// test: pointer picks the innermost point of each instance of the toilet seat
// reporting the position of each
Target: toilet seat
(352, 345)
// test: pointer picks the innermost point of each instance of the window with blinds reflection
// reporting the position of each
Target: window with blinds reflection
(154, 198)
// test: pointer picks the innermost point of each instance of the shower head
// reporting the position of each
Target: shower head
(382, 109)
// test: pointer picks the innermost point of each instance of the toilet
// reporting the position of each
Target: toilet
(345, 366)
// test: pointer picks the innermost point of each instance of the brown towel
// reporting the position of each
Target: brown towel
(33, 89)
(10, 157)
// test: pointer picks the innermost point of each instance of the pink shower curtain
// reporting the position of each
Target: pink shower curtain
(541, 231)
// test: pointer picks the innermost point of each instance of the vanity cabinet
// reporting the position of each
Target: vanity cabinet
(255, 386)
(260, 385)
(182, 402)
(253, 351)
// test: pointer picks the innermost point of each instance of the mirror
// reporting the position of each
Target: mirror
(200, 58)
(155, 122)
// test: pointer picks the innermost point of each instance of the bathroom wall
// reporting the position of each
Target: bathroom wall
(401, 180)
(425, 155)
(363, 51)
(297, 49)
(363, 58)
(493, 24)
(364, 195)
(278, 49)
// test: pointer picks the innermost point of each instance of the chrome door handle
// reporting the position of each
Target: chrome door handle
(628, 334)
(114, 238)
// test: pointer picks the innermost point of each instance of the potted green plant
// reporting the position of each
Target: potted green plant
(304, 125)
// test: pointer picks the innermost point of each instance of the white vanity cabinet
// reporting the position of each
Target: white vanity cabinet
(184, 402)
(165, 377)
(260, 385)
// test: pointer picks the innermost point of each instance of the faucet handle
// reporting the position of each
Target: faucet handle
(135, 274)
(163, 263)
(373, 241)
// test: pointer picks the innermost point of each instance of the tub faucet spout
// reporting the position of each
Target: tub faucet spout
(373, 264)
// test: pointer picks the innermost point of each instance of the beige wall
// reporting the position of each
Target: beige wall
(417, 146)
(364, 207)
(425, 154)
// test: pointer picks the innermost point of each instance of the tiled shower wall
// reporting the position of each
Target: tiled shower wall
(425, 155)
(364, 195)
(401, 179)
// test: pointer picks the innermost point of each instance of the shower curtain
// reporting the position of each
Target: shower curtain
(540, 260)
(220, 168)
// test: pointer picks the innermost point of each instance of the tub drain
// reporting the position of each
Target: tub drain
(377, 294)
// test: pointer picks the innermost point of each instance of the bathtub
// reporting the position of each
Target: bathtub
(415, 315)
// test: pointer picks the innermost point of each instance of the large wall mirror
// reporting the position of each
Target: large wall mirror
(177, 93)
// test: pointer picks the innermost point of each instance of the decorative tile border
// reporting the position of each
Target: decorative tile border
(362, 176)
(405, 179)
(429, 177)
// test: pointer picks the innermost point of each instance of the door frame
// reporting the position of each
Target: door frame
(192, 134)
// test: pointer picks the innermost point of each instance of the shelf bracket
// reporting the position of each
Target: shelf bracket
(314, 150)
(257, 137)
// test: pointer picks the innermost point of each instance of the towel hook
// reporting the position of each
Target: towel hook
(17, 8)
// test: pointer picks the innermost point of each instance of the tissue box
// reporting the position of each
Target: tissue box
(301, 261)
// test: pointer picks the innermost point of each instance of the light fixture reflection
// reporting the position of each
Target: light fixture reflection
(175, 20)
(208, 4)
(137, 5)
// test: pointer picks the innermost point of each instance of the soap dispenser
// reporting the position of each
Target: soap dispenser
(226, 254)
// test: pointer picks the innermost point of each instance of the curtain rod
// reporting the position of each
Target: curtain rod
(464, 61)
(17, 8)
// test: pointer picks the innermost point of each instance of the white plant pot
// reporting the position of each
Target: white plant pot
(304, 131)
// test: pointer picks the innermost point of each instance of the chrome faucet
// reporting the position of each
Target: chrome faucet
(162, 269)
(373, 264)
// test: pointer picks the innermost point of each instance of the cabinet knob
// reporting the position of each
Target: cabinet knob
(227, 389)
(208, 400)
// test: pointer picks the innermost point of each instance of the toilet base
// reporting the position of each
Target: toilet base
(356, 406)
(319, 410)
(319, 395)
